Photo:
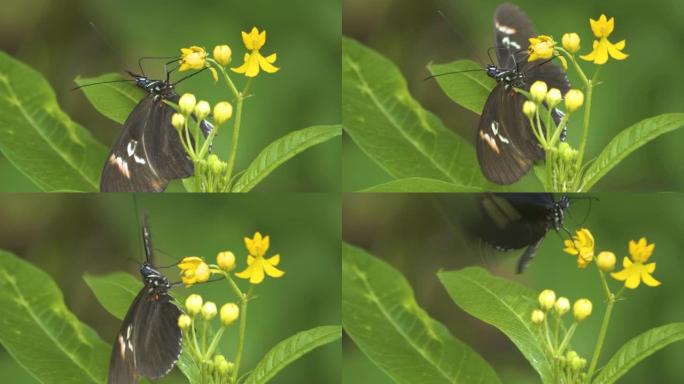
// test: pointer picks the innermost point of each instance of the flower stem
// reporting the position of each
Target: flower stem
(236, 136)
(567, 338)
(243, 326)
(604, 327)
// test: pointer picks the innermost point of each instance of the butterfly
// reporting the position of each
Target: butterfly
(148, 153)
(519, 220)
(505, 144)
(149, 341)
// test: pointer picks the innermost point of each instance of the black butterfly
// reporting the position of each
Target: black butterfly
(506, 146)
(519, 220)
(149, 342)
(148, 152)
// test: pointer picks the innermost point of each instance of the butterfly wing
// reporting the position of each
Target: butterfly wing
(512, 30)
(505, 145)
(122, 366)
(148, 152)
(157, 337)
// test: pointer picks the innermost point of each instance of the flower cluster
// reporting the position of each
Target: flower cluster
(635, 267)
(194, 269)
(570, 363)
(194, 322)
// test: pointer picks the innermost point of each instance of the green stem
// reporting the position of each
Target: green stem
(243, 326)
(214, 342)
(549, 344)
(567, 338)
(556, 332)
(236, 136)
(604, 326)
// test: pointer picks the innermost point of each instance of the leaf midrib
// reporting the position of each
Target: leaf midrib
(385, 313)
(45, 139)
(49, 335)
(516, 315)
(353, 65)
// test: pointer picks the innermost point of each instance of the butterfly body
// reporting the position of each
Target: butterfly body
(149, 341)
(505, 144)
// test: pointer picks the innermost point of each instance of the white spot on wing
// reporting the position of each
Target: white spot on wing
(507, 42)
(122, 347)
(504, 28)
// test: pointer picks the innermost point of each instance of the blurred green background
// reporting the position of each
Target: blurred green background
(419, 236)
(648, 83)
(69, 235)
(55, 38)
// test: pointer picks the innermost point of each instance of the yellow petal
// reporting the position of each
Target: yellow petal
(265, 244)
(250, 259)
(252, 64)
(610, 26)
(620, 45)
(214, 74)
(266, 66)
(245, 274)
(271, 58)
(272, 271)
(275, 260)
(601, 52)
(261, 40)
(626, 262)
(649, 280)
(650, 268)
(257, 271)
(240, 69)
(246, 40)
(633, 277)
(620, 275)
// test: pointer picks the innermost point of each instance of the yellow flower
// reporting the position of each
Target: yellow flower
(602, 28)
(257, 265)
(254, 61)
(571, 42)
(192, 58)
(635, 271)
(541, 47)
(193, 270)
(582, 246)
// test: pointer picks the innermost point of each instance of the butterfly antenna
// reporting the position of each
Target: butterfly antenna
(102, 82)
(454, 72)
(191, 75)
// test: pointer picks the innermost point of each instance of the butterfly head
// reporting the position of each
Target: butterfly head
(492, 71)
(153, 278)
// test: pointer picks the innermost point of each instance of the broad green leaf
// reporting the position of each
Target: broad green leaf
(39, 139)
(419, 184)
(292, 349)
(283, 150)
(393, 129)
(504, 304)
(637, 349)
(114, 100)
(627, 142)
(468, 89)
(39, 331)
(115, 291)
(380, 313)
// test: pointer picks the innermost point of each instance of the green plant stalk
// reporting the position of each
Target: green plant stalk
(235, 137)
(243, 326)
(604, 327)
(549, 344)
(567, 338)
(556, 332)
(214, 342)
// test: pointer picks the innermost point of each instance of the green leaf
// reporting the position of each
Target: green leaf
(419, 184)
(114, 100)
(627, 142)
(380, 313)
(39, 139)
(468, 89)
(393, 129)
(292, 349)
(40, 333)
(115, 291)
(504, 304)
(283, 150)
(637, 349)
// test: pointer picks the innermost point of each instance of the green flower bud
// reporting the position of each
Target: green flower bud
(184, 321)
(193, 304)
(208, 310)
(546, 299)
(562, 306)
(186, 103)
(553, 97)
(178, 121)
(223, 111)
(202, 110)
(537, 316)
(229, 313)
(529, 108)
(538, 91)
(581, 309)
(573, 100)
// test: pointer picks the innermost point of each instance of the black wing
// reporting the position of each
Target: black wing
(148, 152)
(149, 342)
(506, 147)
(512, 31)
(514, 221)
